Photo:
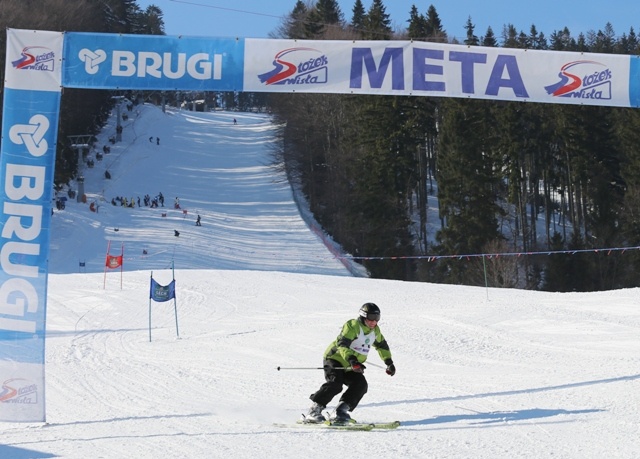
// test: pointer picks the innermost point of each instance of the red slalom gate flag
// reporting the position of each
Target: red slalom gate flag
(113, 261)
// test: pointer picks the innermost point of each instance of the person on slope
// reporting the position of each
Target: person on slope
(344, 365)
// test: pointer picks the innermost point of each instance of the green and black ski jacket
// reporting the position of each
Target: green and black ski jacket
(355, 340)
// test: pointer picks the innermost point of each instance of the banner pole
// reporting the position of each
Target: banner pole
(121, 264)
(175, 311)
(175, 304)
(106, 260)
(150, 307)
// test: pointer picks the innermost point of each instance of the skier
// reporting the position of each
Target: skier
(198, 221)
(344, 365)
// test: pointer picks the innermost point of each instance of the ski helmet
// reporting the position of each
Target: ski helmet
(370, 311)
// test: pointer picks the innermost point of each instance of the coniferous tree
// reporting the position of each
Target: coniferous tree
(417, 25)
(581, 44)
(329, 11)
(425, 122)
(331, 18)
(383, 164)
(602, 41)
(358, 17)
(433, 26)
(536, 40)
(377, 22)
(557, 276)
(123, 16)
(628, 135)
(510, 37)
(633, 43)
(314, 26)
(152, 21)
(293, 25)
(489, 38)
(562, 41)
(471, 39)
(467, 184)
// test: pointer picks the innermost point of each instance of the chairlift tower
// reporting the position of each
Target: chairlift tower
(80, 143)
(118, 99)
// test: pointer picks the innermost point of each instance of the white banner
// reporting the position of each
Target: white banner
(33, 60)
(440, 70)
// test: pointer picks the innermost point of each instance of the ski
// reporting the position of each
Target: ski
(385, 425)
(373, 425)
(329, 426)
(357, 426)
(351, 425)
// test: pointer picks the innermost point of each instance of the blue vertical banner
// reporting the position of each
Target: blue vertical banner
(634, 81)
(29, 130)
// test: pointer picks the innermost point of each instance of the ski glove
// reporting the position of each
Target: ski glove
(391, 368)
(356, 366)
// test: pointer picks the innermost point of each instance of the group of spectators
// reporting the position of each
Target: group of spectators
(157, 201)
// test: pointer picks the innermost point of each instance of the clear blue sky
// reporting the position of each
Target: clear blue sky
(256, 18)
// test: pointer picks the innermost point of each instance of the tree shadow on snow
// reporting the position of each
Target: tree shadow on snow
(504, 416)
(22, 453)
(509, 392)
(497, 416)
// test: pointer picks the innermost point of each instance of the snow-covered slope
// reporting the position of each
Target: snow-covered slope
(217, 169)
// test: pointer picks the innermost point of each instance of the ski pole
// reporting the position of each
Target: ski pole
(309, 368)
(375, 365)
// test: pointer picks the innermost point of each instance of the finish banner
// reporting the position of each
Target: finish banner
(401, 68)
(406, 68)
(29, 131)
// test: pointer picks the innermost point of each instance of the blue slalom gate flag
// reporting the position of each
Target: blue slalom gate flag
(161, 293)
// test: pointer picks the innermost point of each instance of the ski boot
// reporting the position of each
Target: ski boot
(340, 415)
(315, 416)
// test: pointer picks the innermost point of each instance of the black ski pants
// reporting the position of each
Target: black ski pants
(335, 379)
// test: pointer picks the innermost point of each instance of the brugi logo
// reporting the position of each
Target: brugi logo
(25, 186)
(92, 59)
(124, 63)
(35, 58)
(18, 391)
(297, 66)
(583, 80)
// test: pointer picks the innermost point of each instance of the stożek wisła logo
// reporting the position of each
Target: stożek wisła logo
(35, 58)
(297, 66)
(583, 80)
(18, 390)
